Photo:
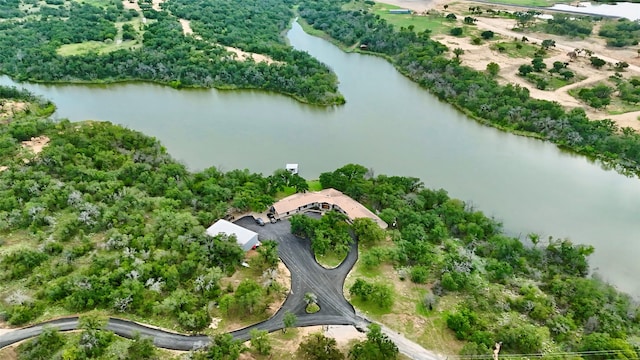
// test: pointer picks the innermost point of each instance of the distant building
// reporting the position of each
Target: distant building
(325, 200)
(292, 168)
(246, 238)
(399, 11)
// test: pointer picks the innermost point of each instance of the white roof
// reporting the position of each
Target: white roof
(225, 227)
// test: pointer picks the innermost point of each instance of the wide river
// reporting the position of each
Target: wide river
(393, 126)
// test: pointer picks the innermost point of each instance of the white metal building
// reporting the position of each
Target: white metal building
(246, 238)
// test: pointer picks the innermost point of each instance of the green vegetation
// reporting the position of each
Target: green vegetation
(621, 33)
(319, 347)
(556, 77)
(566, 26)
(330, 237)
(507, 107)
(604, 95)
(102, 42)
(104, 219)
(435, 23)
(516, 49)
(377, 346)
(119, 227)
(503, 291)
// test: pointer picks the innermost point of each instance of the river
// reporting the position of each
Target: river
(394, 127)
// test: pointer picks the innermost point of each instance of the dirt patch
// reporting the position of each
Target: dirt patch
(244, 56)
(131, 5)
(237, 54)
(344, 334)
(186, 27)
(9, 353)
(155, 5)
(9, 107)
(3, 168)
(36, 144)
(478, 56)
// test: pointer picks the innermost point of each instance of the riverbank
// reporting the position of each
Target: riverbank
(511, 108)
(477, 56)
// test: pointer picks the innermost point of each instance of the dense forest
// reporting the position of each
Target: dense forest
(30, 43)
(478, 94)
(104, 219)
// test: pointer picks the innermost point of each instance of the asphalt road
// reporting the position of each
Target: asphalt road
(306, 276)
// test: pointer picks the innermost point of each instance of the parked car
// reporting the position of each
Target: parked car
(259, 221)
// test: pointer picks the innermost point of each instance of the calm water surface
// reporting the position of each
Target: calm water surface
(394, 127)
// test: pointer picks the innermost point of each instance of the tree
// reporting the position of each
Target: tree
(222, 347)
(457, 52)
(319, 347)
(469, 20)
(41, 348)
(378, 346)
(547, 43)
(538, 64)
(596, 62)
(525, 69)
(487, 34)
(567, 74)
(310, 298)
(260, 341)
(367, 231)
(493, 69)
(621, 65)
(451, 16)
(456, 31)
(269, 253)
(609, 348)
(290, 319)
(141, 348)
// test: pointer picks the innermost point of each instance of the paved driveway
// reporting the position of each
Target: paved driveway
(306, 276)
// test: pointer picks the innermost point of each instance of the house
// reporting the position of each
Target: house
(399, 11)
(323, 201)
(246, 238)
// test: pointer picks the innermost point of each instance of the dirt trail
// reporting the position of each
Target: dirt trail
(131, 5)
(478, 56)
(238, 54)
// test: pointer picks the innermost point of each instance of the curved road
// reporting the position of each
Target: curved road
(306, 276)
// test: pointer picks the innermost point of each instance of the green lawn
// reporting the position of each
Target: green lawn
(314, 185)
(331, 259)
(437, 24)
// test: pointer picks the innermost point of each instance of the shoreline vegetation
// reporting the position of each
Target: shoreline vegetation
(166, 56)
(160, 52)
(103, 220)
(475, 93)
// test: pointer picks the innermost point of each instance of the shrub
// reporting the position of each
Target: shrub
(456, 31)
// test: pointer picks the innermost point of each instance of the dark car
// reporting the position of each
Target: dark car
(259, 221)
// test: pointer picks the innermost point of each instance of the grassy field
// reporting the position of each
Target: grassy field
(516, 49)
(427, 328)
(436, 23)
(95, 46)
(314, 185)
(330, 260)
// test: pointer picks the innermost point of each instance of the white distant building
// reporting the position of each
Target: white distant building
(292, 168)
(246, 238)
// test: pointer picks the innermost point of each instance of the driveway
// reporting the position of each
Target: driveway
(306, 276)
